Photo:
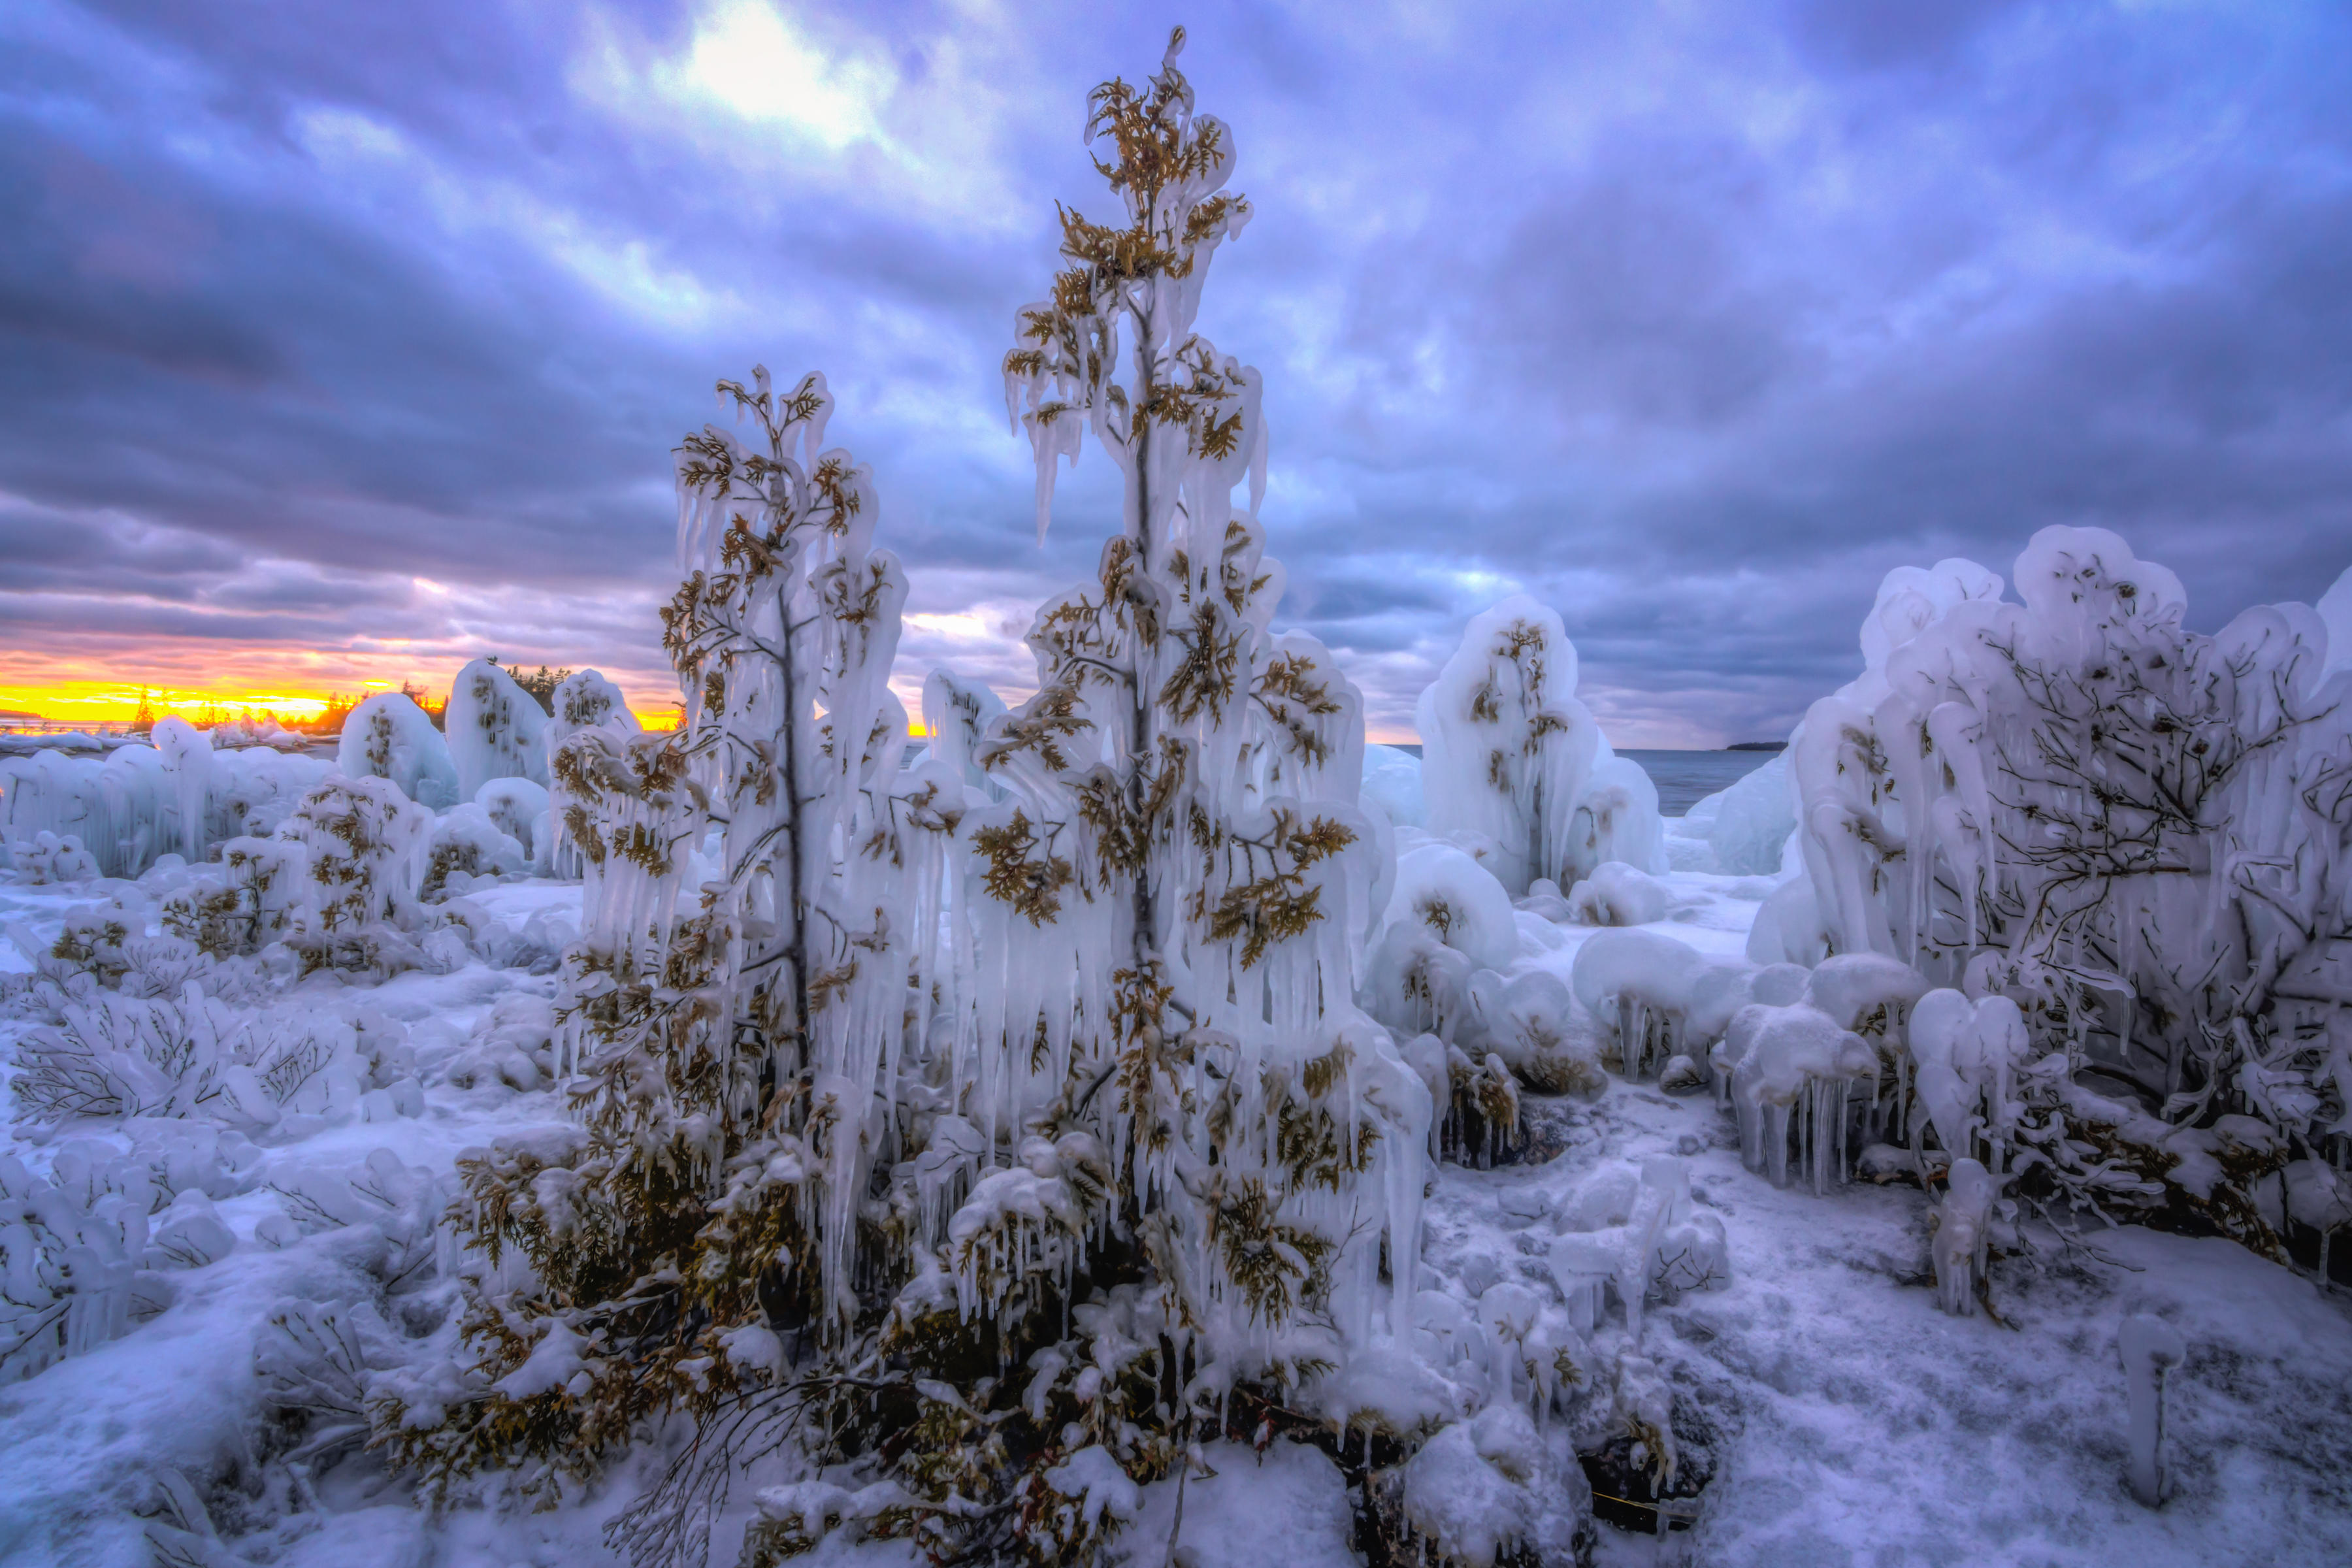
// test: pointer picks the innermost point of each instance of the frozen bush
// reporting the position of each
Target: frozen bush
(1525, 1021)
(1509, 754)
(495, 729)
(958, 713)
(251, 897)
(114, 1056)
(388, 736)
(74, 1260)
(366, 842)
(1617, 895)
(49, 859)
(518, 808)
(2133, 830)
(514, 1045)
(584, 703)
(1495, 1489)
(1442, 893)
(466, 847)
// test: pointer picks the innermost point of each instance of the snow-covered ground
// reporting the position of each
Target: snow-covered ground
(1845, 1418)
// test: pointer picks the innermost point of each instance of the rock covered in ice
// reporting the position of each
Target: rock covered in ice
(388, 736)
(1787, 927)
(1746, 827)
(495, 729)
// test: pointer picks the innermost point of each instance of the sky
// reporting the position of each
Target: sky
(341, 344)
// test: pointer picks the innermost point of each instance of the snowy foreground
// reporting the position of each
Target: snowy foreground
(1851, 1420)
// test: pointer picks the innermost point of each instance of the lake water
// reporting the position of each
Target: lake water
(1684, 778)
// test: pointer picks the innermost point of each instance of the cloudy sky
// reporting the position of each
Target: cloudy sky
(339, 344)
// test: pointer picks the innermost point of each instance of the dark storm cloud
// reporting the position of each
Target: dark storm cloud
(1693, 322)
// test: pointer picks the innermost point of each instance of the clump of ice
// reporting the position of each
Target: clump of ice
(1790, 1069)
(1661, 997)
(2151, 1348)
(1392, 783)
(1485, 1489)
(1963, 1224)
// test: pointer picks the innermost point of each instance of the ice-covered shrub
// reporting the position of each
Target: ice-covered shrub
(252, 896)
(584, 702)
(1509, 752)
(2135, 831)
(366, 843)
(1495, 1489)
(388, 736)
(518, 809)
(1616, 894)
(514, 1045)
(1637, 1235)
(74, 1260)
(192, 1055)
(466, 845)
(495, 729)
(49, 859)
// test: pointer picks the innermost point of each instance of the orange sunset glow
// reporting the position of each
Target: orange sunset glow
(292, 687)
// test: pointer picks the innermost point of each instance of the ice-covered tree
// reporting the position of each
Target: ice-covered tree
(980, 1128)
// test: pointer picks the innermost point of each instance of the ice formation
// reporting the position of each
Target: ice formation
(1393, 786)
(1024, 1117)
(2151, 1348)
(138, 803)
(1660, 997)
(1963, 1225)
(494, 729)
(1510, 754)
(388, 736)
(1746, 827)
